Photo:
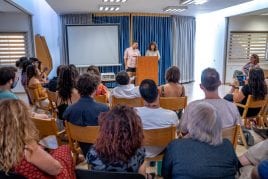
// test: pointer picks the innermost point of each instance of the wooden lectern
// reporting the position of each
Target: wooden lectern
(146, 68)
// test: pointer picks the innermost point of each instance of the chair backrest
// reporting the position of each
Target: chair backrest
(101, 99)
(47, 127)
(252, 103)
(173, 103)
(53, 99)
(159, 137)
(87, 174)
(87, 134)
(134, 102)
(231, 133)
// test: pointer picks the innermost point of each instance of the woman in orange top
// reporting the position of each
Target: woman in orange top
(101, 89)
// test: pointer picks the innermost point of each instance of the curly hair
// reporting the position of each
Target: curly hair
(155, 46)
(120, 135)
(17, 130)
(31, 71)
(87, 84)
(257, 83)
(66, 82)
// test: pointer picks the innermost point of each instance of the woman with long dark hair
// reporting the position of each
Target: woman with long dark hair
(118, 147)
(66, 89)
(256, 87)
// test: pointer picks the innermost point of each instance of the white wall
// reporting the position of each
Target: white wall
(46, 23)
(245, 23)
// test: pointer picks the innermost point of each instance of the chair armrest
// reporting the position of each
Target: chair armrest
(61, 132)
(240, 105)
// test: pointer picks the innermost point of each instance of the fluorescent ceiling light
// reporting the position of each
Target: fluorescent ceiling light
(115, 1)
(109, 8)
(197, 2)
(175, 9)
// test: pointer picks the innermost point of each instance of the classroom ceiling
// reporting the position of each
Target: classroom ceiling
(148, 6)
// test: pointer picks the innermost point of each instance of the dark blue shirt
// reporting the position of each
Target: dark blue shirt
(84, 112)
(188, 158)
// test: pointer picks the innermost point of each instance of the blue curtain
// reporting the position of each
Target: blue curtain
(158, 29)
(124, 32)
(183, 45)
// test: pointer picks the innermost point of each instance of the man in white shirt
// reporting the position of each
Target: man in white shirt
(228, 112)
(130, 58)
(125, 89)
(152, 115)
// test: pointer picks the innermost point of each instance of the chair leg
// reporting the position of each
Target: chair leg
(243, 137)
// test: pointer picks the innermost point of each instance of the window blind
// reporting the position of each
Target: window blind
(12, 47)
(243, 44)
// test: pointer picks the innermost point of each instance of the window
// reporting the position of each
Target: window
(243, 44)
(12, 47)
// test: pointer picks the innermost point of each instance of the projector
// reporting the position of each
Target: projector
(107, 77)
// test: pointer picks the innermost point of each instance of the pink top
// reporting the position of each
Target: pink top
(131, 56)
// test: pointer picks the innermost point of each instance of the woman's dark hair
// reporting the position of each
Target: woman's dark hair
(120, 135)
(173, 74)
(31, 71)
(153, 43)
(87, 84)
(66, 82)
(19, 63)
(122, 78)
(257, 83)
(59, 68)
(93, 69)
(36, 60)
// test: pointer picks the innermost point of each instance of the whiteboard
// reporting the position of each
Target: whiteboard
(93, 45)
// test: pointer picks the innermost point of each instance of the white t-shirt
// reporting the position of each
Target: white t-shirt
(152, 53)
(227, 111)
(155, 118)
(126, 91)
(131, 55)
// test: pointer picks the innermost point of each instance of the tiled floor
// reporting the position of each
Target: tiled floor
(193, 92)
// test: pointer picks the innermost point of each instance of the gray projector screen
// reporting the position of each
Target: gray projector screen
(93, 45)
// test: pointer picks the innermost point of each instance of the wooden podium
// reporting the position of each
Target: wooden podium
(146, 68)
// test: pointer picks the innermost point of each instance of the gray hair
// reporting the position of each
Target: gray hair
(201, 122)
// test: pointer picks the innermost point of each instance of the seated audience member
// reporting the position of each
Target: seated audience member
(36, 62)
(125, 89)
(33, 80)
(85, 111)
(52, 84)
(101, 89)
(202, 153)
(256, 87)
(118, 147)
(172, 88)
(8, 81)
(152, 115)
(210, 82)
(67, 93)
(253, 63)
(20, 151)
(253, 157)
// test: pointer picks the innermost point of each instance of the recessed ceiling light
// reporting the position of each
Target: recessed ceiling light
(109, 7)
(197, 2)
(115, 1)
(175, 9)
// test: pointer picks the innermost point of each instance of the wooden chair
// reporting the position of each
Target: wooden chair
(134, 102)
(231, 133)
(173, 103)
(52, 98)
(36, 100)
(251, 103)
(101, 99)
(87, 134)
(47, 127)
(87, 174)
(158, 138)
